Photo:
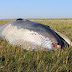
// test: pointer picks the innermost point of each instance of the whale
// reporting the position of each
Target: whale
(32, 35)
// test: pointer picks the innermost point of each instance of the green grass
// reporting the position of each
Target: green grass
(6, 20)
(16, 59)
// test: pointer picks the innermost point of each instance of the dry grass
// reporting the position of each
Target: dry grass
(16, 59)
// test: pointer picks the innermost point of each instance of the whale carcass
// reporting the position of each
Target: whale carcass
(31, 35)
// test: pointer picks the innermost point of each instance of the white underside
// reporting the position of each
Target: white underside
(19, 36)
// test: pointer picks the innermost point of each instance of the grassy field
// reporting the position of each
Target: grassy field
(16, 59)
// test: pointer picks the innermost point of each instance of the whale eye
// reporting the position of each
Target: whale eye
(58, 43)
(54, 44)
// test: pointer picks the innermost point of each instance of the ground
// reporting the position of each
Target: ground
(16, 59)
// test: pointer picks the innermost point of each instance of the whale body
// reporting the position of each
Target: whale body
(30, 35)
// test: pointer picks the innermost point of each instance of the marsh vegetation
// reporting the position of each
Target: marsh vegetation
(15, 59)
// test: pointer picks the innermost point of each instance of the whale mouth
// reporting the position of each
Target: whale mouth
(56, 45)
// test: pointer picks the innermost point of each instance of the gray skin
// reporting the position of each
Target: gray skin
(41, 29)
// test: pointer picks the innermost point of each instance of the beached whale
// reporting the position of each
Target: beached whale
(31, 35)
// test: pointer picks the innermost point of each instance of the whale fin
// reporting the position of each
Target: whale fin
(64, 37)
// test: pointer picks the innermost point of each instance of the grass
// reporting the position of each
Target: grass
(15, 59)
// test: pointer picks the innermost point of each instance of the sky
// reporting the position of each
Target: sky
(35, 9)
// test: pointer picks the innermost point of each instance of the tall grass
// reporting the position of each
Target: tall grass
(15, 59)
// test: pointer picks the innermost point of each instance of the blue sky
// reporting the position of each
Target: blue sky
(35, 9)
